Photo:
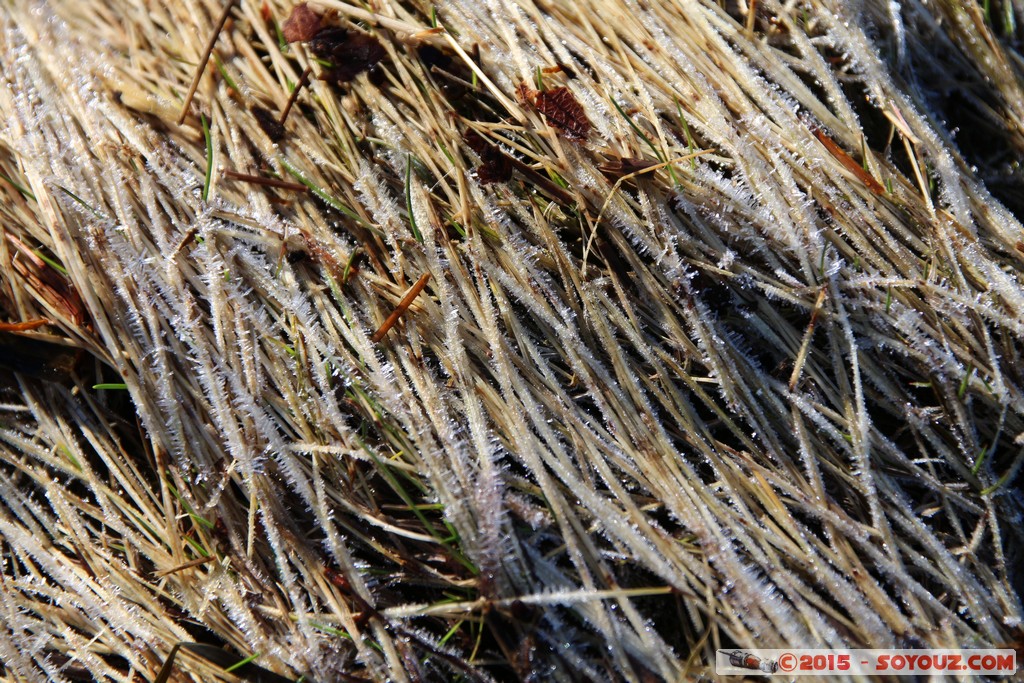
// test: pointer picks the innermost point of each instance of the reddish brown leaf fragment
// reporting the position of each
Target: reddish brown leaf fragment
(476, 142)
(302, 24)
(337, 578)
(322, 256)
(496, 166)
(525, 93)
(496, 170)
(848, 162)
(350, 53)
(562, 110)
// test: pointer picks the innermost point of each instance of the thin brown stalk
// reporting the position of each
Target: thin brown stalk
(400, 309)
(303, 79)
(207, 51)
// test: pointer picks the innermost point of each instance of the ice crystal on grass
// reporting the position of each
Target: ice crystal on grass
(647, 404)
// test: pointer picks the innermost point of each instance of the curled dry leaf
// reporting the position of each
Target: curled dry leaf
(496, 166)
(349, 52)
(562, 110)
(302, 24)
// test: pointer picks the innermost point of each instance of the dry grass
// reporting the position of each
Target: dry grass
(758, 382)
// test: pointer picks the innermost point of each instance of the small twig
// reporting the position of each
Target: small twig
(401, 308)
(303, 79)
(205, 59)
(269, 182)
(25, 325)
(452, 77)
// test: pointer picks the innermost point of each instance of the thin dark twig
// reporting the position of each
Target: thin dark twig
(303, 79)
(205, 59)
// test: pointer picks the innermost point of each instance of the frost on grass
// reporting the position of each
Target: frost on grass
(769, 395)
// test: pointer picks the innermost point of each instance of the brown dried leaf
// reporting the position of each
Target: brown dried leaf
(524, 93)
(496, 166)
(496, 170)
(562, 110)
(303, 24)
(476, 142)
(349, 52)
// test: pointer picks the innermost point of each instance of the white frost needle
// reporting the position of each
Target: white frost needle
(785, 386)
(618, 184)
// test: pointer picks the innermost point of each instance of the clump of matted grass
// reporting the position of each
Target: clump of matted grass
(699, 334)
